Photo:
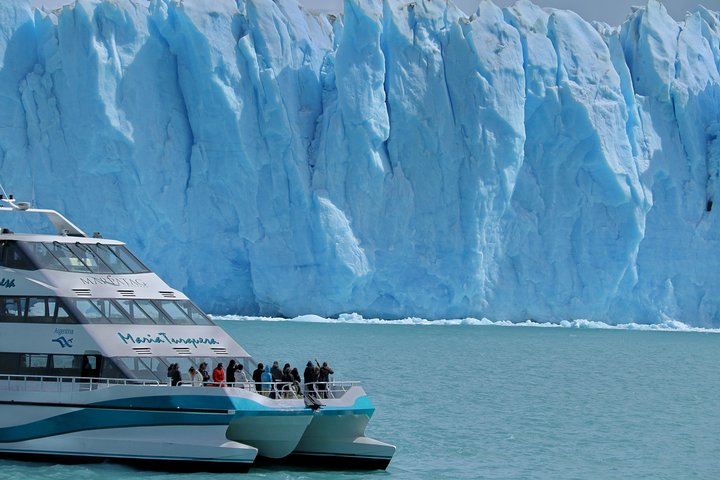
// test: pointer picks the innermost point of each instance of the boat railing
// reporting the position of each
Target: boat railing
(46, 383)
(292, 390)
(275, 390)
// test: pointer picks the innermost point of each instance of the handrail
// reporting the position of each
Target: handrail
(91, 381)
(275, 390)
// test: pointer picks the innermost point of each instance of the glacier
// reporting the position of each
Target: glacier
(402, 159)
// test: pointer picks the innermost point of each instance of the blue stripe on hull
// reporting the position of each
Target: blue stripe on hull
(159, 410)
(97, 419)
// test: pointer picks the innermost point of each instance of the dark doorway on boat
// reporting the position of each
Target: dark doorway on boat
(91, 366)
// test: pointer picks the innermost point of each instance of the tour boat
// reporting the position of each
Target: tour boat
(88, 333)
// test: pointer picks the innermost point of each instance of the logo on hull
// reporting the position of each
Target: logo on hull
(63, 342)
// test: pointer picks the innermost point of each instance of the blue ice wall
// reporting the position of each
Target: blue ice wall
(402, 159)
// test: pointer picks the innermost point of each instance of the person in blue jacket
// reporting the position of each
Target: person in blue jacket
(266, 380)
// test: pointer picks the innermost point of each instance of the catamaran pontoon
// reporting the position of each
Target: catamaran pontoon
(87, 333)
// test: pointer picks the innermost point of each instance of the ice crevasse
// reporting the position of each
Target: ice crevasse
(402, 158)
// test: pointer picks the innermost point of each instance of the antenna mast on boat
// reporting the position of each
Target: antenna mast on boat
(62, 224)
(9, 200)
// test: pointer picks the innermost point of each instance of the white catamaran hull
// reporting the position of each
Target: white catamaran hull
(185, 428)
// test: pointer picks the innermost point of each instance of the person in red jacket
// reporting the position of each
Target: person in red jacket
(218, 376)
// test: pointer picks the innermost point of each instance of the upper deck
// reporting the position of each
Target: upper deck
(70, 263)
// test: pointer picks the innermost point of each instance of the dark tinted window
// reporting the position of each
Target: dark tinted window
(9, 363)
(14, 257)
(35, 363)
(12, 309)
(34, 310)
(41, 310)
(58, 365)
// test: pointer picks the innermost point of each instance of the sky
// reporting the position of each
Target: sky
(609, 11)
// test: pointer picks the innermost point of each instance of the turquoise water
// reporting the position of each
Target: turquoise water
(469, 401)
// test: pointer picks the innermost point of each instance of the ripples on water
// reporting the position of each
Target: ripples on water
(471, 400)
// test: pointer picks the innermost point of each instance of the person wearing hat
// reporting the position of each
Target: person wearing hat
(310, 376)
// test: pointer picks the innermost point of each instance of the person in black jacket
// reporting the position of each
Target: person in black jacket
(323, 378)
(230, 372)
(257, 377)
(175, 375)
(310, 375)
(277, 375)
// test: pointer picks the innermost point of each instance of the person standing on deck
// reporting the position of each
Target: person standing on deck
(310, 375)
(323, 378)
(230, 372)
(196, 378)
(257, 377)
(218, 376)
(240, 375)
(202, 368)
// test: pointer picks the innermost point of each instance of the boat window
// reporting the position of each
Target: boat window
(101, 311)
(137, 315)
(111, 311)
(135, 367)
(41, 310)
(129, 259)
(63, 316)
(9, 363)
(33, 363)
(90, 366)
(110, 369)
(12, 309)
(90, 311)
(14, 257)
(90, 258)
(197, 316)
(65, 365)
(108, 256)
(42, 256)
(176, 314)
(69, 260)
(152, 311)
(60, 365)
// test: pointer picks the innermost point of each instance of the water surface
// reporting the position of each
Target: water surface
(470, 401)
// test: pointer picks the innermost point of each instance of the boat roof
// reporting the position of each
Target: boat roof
(34, 237)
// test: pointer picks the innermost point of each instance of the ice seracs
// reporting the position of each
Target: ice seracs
(400, 159)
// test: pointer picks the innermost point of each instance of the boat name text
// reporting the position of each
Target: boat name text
(113, 281)
(162, 337)
(7, 282)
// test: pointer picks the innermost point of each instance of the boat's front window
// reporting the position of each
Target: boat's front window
(175, 312)
(110, 258)
(80, 257)
(101, 311)
(11, 256)
(153, 312)
(139, 312)
(150, 368)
